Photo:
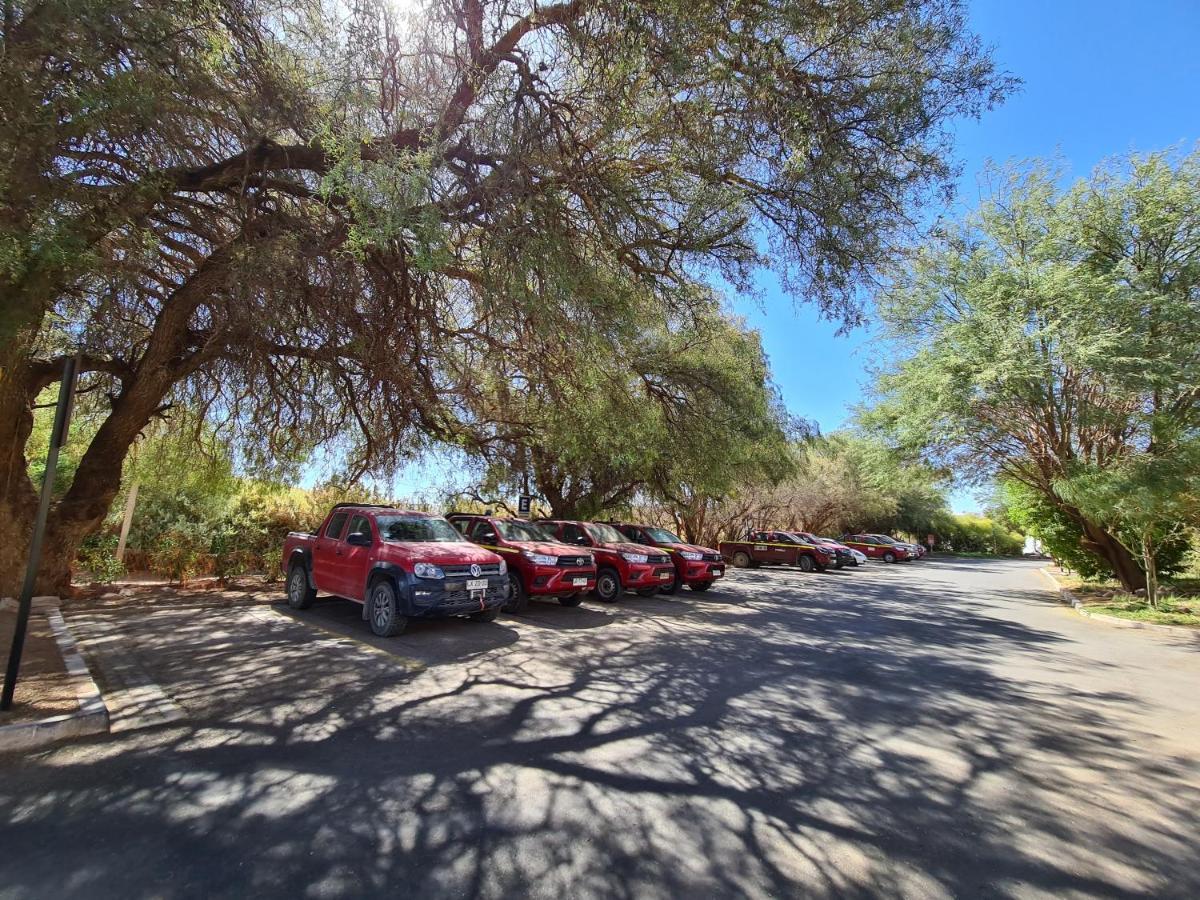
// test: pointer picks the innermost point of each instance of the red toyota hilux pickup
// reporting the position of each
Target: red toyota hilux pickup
(538, 565)
(621, 565)
(399, 565)
(697, 567)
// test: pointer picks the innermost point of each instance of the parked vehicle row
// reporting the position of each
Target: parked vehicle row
(401, 565)
(813, 553)
(884, 547)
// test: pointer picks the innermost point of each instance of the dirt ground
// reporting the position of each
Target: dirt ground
(207, 593)
(43, 688)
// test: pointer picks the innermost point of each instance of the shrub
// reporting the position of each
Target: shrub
(98, 555)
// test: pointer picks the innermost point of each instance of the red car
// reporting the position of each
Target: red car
(879, 546)
(621, 565)
(696, 567)
(399, 565)
(538, 565)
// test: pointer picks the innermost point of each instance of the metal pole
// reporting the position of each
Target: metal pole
(62, 419)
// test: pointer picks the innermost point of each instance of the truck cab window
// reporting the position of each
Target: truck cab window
(333, 530)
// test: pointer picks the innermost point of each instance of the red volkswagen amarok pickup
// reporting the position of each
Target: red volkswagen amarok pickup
(621, 565)
(697, 567)
(538, 565)
(398, 564)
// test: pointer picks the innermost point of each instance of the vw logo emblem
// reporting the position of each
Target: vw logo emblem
(475, 570)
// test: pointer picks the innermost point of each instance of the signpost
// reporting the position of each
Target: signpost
(58, 437)
(524, 504)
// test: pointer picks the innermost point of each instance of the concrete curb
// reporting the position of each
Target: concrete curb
(1069, 598)
(90, 718)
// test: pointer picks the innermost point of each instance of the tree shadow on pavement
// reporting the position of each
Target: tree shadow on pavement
(797, 742)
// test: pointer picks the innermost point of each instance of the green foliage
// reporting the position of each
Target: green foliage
(98, 555)
(1054, 333)
(977, 534)
(1061, 536)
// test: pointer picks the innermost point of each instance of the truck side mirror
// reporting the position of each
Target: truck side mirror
(358, 539)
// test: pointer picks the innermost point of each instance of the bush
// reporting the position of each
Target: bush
(181, 553)
(98, 555)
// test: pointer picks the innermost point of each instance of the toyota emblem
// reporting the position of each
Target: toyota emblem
(475, 570)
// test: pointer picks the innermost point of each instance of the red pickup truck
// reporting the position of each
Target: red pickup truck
(879, 546)
(697, 567)
(621, 565)
(399, 565)
(779, 548)
(539, 566)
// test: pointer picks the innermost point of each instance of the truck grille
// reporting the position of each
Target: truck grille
(712, 557)
(658, 560)
(465, 571)
(570, 562)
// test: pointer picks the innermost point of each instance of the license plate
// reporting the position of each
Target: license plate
(717, 572)
(579, 582)
(477, 584)
(664, 575)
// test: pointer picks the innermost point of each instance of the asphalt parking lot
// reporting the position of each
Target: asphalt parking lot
(935, 729)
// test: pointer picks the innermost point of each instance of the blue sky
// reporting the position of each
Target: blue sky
(1100, 78)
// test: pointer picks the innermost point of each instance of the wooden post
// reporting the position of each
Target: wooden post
(130, 503)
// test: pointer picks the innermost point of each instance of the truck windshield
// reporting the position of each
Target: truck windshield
(662, 536)
(417, 529)
(522, 531)
(606, 534)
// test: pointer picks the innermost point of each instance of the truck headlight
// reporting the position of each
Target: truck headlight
(539, 559)
(691, 554)
(635, 557)
(503, 567)
(428, 570)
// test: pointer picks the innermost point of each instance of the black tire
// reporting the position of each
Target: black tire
(741, 559)
(647, 592)
(889, 557)
(300, 594)
(571, 599)
(382, 612)
(855, 562)
(518, 600)
(806, 563)
(700, 587)
(821, 568)
(608, 586)
(486, 615)
(670, 587)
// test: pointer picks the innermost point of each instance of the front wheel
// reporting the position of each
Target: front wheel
(608, 586)
(300, 594)
(806, 563)
(386, 620)
(518, 600)
(741, 559)
(701, 587)
(671, 586)
(889, 557)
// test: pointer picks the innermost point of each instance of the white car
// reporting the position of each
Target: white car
(860, 558)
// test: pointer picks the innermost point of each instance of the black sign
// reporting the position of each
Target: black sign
(523, 504)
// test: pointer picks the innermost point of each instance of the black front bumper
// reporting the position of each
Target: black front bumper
(431, 597)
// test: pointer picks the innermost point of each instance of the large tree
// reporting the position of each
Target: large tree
(1053, 336)
(302, 217)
